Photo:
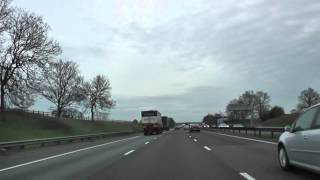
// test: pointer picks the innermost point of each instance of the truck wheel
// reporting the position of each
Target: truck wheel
(145, 133)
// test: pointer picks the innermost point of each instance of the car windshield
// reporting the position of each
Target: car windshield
(159, 89)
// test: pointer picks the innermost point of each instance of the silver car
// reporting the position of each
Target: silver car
(299, 145)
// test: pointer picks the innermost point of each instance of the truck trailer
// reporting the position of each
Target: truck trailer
(165, 123)
(151, 122)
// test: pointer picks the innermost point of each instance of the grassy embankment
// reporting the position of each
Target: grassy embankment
(21, 126)
(281, 121)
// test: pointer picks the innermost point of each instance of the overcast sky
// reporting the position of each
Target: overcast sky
(188, 58)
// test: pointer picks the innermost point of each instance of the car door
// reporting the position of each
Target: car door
(298, 141)
(313, 143)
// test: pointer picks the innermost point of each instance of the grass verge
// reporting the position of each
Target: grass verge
(22, 126)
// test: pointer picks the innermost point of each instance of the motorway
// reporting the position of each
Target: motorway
(171, 155)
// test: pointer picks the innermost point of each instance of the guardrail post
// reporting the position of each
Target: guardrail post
(254, 132)
(246, 131)
(272, 134)
(259, 132)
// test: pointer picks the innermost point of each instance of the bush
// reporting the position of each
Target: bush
(276, 111)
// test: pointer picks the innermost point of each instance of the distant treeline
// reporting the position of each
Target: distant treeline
(256, 105)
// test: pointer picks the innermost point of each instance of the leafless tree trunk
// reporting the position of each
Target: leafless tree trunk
(263, 100)
(27, 49)
(97, 94)
(61, 84)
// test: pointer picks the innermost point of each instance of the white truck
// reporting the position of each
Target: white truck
(151, 122)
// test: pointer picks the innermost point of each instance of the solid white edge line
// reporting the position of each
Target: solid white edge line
(244, 138)
(129, 152)
(207, 148)
(247, 176)
(67, 153)
(146, 142)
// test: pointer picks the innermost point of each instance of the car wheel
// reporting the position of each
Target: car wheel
(283, 158)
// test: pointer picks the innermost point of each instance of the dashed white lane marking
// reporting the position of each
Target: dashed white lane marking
(190, 136)
(207, 148)
(155, 138)
(249, 139)
(195, 140)
(129, 152)
(65, 154)
(247, 176)
(147, 142)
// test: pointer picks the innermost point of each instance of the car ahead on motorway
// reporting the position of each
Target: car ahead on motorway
(299, 145)
(205, 126)
(238, 125)
(223, 125)
(194, 127)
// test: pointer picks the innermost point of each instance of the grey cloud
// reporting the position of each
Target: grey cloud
(270, 50)
(188, 106)
(266, 45)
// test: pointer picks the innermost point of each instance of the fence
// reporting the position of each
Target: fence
(44, 114)
(273, 132)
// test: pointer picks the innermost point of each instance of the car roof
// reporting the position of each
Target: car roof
(316, 105)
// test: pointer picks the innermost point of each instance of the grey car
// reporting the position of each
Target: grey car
(299, 145)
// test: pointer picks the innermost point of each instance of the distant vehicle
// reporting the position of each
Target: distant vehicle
(299, 145)
(177, 128)
(223, 125)
(151, 122)
(238, 125)
(206, 126)
(194, 127)
(186, 127)
(165, 123)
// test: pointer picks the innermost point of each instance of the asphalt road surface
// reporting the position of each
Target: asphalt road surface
(171, 155)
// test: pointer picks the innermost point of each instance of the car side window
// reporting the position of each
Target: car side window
(317, 122)
(304, 122)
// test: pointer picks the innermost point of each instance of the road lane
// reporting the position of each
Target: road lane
(257, 158)
(14, 157)
(173, 156)
(77, 165)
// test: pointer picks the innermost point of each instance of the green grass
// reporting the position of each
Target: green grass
(281, 121)
(21, 126)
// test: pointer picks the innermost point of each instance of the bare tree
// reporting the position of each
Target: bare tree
(308, 98)
(248, 98)
(61, 84)
(97, 94)
(249, 103)
(5, 11)
(26, 50)
(262, 103)
(237, 110)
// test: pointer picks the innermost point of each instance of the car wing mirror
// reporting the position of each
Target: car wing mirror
(287, 128)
